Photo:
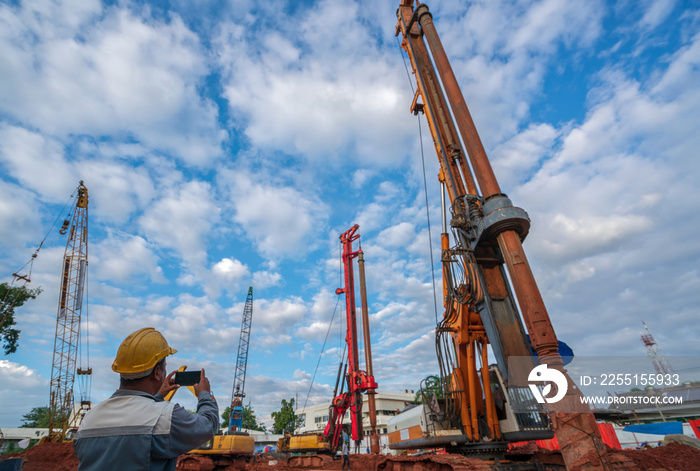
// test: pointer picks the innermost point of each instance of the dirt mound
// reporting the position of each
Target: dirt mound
(531, 452)
(672, 457)
(49, 457)
(380, 463)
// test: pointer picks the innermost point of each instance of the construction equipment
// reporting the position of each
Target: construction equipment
(309, 442)
(228, 449)
(476, 412)
(356, 380)
(70, 306)
(350, 375)
(658, 359)
(235, 420)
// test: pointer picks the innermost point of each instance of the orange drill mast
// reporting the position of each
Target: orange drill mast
(480, 308)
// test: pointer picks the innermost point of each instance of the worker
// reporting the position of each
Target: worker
(136, 429)
(346, 454)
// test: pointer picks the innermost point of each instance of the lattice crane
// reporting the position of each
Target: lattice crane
(235, 420)
(70, 306)
(660, 362)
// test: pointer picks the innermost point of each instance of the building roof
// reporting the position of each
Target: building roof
(20, 433)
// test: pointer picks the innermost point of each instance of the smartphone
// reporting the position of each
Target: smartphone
(187, 378)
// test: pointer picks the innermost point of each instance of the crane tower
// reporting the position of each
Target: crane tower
(70, 305)
(238, 393)
(661, 364)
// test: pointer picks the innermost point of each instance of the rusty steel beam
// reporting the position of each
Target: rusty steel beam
(374, 438)
(475, 149)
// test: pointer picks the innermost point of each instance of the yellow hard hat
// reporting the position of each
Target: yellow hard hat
(141, 351)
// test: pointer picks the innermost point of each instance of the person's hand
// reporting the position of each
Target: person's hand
(168, 384)
(203, 384)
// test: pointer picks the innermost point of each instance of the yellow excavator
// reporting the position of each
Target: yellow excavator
(311, 442)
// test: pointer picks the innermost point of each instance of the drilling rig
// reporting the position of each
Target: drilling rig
(70, 306)
(485, 271)
(350, 376)
(356, 380)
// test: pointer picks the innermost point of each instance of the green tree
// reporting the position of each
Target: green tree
(430, 385)
(250, 421)
(286, 421)
(36, 418)
(12, 297)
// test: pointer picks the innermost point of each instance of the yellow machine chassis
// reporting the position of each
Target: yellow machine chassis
(308, 443)
(229, 445)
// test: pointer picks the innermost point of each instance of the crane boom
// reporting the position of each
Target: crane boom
(238, 392)
(70, 306)
(480, 308)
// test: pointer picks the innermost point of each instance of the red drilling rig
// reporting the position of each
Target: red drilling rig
(356, 380)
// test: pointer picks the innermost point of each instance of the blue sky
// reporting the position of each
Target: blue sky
(229, 144)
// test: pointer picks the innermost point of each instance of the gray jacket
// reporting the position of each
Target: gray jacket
(135, 431)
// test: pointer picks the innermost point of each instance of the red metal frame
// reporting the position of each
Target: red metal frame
(357, 380)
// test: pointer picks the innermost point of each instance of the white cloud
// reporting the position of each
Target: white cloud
(656, 13)
(37, 162)
(20, 375)
(197, 318)
(501, 52)
(266, 279)
(115, 74)
(399, 235)
(568, 237)
(280, 220)
(516, 159)
(117, 190)
(618, 189)
(125, 258)
(21, 386)
(314, 330)
(547, 22)
(393, 372)
(279, 316)
(360, 177)
(19, 213)
(230, 269)
(181, 220)
(299, 94)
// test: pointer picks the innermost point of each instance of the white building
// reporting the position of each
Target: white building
(388, 404)
(13, 436)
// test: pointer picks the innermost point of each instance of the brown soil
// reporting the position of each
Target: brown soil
(531, 452)
(673, 457)
(384, 463)
(49, 457)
